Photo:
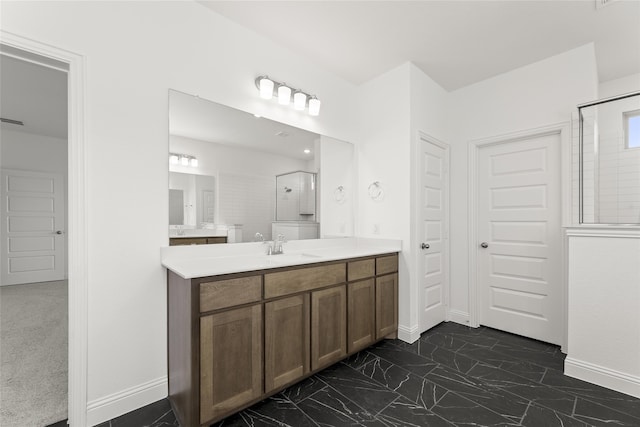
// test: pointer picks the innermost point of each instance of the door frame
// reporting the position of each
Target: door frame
(77, 213)
(415, 226)
(563, 129)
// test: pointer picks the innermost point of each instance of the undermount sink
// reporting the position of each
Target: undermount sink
(287, 258)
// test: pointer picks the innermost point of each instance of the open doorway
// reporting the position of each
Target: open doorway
(33, 255)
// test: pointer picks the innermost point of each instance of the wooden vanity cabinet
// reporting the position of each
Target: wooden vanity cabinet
(236, 339)
(230, 360)
(328, 326)
(287, 336)
(182, 241)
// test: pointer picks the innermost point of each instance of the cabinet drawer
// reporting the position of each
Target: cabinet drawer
(361, 269)
(386, 264)
(303, 279)
(227, 293)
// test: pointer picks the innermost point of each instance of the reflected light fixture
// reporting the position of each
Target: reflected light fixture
(266, 87)
(183, 160)
(269, 88)
(314, 106)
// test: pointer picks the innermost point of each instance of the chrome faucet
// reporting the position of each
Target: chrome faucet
(258, 237)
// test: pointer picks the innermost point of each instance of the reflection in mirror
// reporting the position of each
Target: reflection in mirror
(232, 190)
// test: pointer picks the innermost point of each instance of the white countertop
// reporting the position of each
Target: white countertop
(211, 260)
(196, 232)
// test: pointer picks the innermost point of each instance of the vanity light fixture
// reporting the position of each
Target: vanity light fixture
(269, 88)
(299, 100)
(314, 106)
(284, 94)
(183, 160)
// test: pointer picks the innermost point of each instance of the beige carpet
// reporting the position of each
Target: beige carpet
(33, 354)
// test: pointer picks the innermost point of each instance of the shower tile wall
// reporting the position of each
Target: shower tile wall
(248, 200)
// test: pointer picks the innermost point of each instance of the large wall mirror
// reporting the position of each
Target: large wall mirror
(235, 177)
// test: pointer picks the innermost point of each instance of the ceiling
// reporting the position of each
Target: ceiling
(197, 118)
(34, 94)
(456, 43)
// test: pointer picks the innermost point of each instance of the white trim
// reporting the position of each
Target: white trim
(77, 211)
(415, 226)
(563, 129)
(408, 333)
(458, 316)
(122, 402)
(632, 233)
(605, 377)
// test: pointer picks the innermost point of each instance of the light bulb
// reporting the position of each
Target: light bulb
(299, 100)
(266, 88)
(314, 106)
(184, 161)
(284, 94)
(173, 159)
(194, 162)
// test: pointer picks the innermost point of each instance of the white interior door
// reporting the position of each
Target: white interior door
(519, 248)
(33, 247)
(433, 259)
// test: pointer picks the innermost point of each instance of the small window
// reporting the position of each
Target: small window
(632, 129)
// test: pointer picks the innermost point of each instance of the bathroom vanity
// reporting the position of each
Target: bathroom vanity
(243, 327)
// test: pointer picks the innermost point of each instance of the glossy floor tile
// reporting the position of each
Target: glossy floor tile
(451, 376)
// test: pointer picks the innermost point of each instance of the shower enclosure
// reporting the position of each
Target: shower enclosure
(608, 156)
(296, 206)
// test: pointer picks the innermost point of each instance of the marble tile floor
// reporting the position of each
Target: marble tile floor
(452, 376)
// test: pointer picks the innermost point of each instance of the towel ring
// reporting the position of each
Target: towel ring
(375, 191)
(340, 195)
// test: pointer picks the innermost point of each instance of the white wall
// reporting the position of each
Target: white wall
(383, 153)
(627, 84)
(537, 95)
(135, 52)
(28, 151)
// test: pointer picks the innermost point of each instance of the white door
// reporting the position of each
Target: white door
(433, 259)
(519, 247)
(33, 247)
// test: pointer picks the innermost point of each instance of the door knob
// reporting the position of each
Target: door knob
(425, 246)
(484, 245)
(58, 232)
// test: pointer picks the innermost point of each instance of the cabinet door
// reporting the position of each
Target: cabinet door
(386, 305)
(287, 323)
(328, 326)
(230, 360)
(361, 314)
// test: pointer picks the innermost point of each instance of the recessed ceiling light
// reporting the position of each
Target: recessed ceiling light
(257, 116)
(307, 151)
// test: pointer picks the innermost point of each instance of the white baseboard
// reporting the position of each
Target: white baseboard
(116, 404)
(605, 377)
(408, 333)
(458, 316)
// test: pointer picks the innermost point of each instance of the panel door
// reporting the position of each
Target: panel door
(386, 305)
(519, 252)
(328, 326)
(33, 223)
(433, 260)
(230, 360)
(361, 330)
(287, 344)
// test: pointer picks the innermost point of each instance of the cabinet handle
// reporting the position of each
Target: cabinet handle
(425, 246)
